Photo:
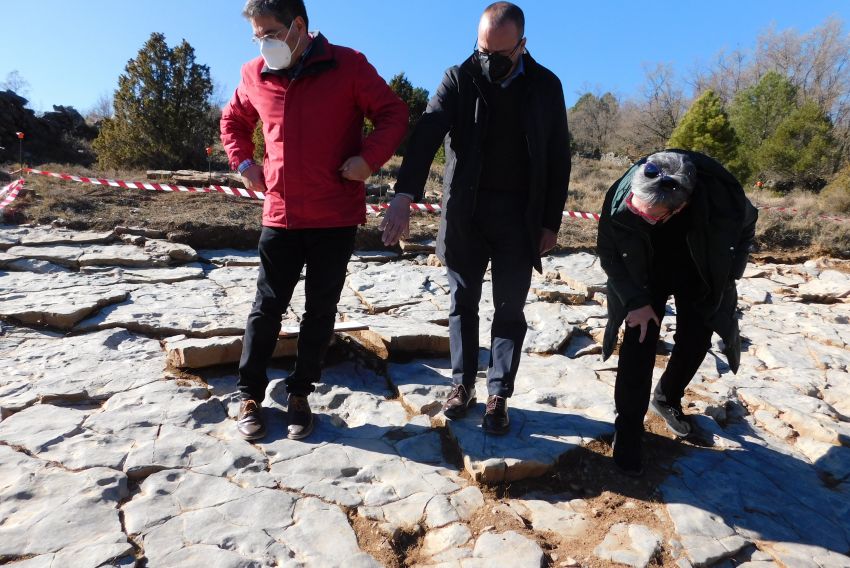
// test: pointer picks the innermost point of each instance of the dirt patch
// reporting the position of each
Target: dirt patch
(372, 541)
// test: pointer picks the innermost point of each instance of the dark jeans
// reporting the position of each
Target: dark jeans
(500, 238)
(283, 255)
(691, 342)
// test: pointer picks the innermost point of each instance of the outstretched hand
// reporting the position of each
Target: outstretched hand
(641, 317)
(396, 222)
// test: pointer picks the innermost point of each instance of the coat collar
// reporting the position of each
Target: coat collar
(530, 69)
(317, 57)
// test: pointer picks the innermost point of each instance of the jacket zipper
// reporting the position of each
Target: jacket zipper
(479, 149)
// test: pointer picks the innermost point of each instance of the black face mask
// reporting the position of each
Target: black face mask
(495, 66)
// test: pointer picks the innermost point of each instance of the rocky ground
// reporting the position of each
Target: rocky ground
(118, 444)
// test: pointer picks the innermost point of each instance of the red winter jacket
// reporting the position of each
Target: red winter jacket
(313, 122)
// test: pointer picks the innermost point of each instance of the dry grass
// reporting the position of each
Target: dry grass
(211, 220)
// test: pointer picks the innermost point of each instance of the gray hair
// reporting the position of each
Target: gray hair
(284, 11)
(669, 180)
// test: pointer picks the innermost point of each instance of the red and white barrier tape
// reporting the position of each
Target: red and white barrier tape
(240, 192)
(413, 206)
(234, 191)
(10, 192)
(581, 215)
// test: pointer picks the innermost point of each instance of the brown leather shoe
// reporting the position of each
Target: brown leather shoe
(250, 422)
(300, 417)
(496, 419)
(458, 403)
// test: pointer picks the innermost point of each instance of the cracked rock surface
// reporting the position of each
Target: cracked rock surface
(110, 456)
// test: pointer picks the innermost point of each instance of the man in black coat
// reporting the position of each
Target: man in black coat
(677, 223)
(505, 184)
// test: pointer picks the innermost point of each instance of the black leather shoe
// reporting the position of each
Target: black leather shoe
(496, 419)
(250, 421)
(627, 455)
(458, 403)
(300, 417)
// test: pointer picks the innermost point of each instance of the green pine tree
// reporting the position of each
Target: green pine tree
(802, 149)
(757, 111)
(416, 99)
(706, 128)
(162, 114)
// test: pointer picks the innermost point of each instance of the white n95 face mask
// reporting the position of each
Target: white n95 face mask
(276, 53)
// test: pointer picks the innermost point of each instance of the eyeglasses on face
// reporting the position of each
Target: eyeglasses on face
(487, 53)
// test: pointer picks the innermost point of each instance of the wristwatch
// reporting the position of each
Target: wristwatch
(244, 165)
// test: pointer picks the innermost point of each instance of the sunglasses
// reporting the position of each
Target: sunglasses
(653, 171)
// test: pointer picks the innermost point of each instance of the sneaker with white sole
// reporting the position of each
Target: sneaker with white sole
(672, 414)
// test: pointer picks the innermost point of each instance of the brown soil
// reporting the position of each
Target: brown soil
(219, 221)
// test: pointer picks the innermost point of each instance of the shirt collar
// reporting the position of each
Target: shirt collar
(520, 69)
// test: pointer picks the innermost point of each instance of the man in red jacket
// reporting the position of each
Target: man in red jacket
(311, 97)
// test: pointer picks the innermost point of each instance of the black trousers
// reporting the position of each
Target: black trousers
(677, 277)
(500, 239)
(283, 255)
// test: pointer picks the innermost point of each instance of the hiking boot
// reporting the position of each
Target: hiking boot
(496, 419)
(672, 414)
(250, 421)
(300, 417)
(458, 403)
(627, 456)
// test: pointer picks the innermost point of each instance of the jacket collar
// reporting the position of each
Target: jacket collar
(530, 69)
(316, 58)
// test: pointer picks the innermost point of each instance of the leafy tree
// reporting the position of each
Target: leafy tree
(802, 149)
(16, 83)
(758, 110)
(705, 128)
(416, 99)
(592, 123)
(162, 114)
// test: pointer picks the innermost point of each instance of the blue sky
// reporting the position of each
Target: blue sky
(71, 53)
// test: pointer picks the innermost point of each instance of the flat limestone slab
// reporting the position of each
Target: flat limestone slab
(58, 299)
(198, 353)
(46, 509)
(53, 236)
(231, 257)
(183, 517)
(721, 501)
(558, 405)
(131, 275)
(557, 292)
(152, 253)
(581, 271)
(549, 327)
(382, 287)
(830, 286)
(387, 335)
(198, 308)
(44, 366)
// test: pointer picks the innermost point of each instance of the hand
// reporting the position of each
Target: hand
(356, 169)
(254, 178)
(396, 223)
(548, 240)
(641, 317)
